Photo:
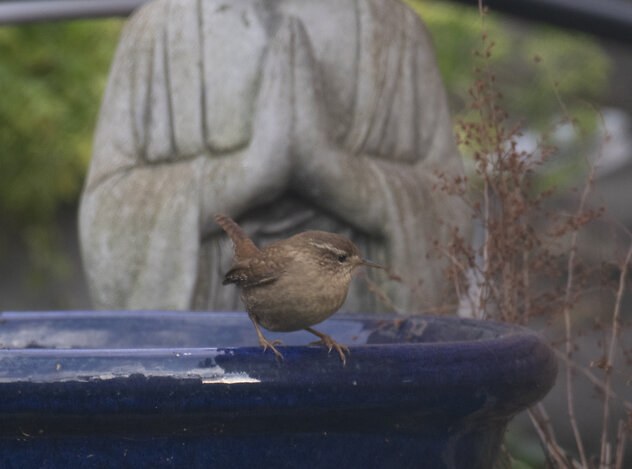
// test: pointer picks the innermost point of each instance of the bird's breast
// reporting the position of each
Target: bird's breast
(292, 303)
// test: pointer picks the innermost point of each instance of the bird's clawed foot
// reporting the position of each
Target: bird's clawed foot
(330, 343)
(265, 343)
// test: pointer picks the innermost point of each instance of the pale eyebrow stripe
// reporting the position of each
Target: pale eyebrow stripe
(328, 247)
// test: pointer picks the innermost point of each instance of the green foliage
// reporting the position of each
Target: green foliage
(553, 61)
(520, 465)
(531, 62)
(456, 32)
(545, 75)
(52, 77)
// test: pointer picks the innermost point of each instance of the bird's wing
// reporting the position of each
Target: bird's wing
(255, 272)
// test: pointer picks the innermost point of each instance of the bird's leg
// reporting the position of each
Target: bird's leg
(265, 343)
(330, 343)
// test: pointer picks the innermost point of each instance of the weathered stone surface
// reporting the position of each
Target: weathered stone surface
(284, 115)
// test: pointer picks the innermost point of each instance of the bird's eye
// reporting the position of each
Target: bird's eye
(342, 258)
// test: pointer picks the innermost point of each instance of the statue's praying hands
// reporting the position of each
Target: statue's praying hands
(314, 114)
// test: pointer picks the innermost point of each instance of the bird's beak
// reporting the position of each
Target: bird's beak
(370, 264)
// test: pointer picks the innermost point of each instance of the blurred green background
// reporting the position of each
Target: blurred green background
(52, 77)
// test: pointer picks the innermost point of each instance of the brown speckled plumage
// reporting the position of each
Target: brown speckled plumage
(294, 283)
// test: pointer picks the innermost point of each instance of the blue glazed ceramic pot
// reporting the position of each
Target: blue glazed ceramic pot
(173, 389)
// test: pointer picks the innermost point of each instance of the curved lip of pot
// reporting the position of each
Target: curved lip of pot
(420, 367)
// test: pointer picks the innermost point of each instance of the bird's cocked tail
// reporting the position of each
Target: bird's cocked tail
(244, 247)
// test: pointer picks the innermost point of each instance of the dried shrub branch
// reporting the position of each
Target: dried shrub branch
(616, 331)
(527, 266)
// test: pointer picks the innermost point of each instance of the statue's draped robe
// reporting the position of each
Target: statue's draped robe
(171, 103)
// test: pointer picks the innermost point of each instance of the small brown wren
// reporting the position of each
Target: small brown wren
(293, 283)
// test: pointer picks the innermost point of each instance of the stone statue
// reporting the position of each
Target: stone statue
(286, 115)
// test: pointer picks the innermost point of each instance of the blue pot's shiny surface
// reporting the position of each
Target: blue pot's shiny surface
(162, 389)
